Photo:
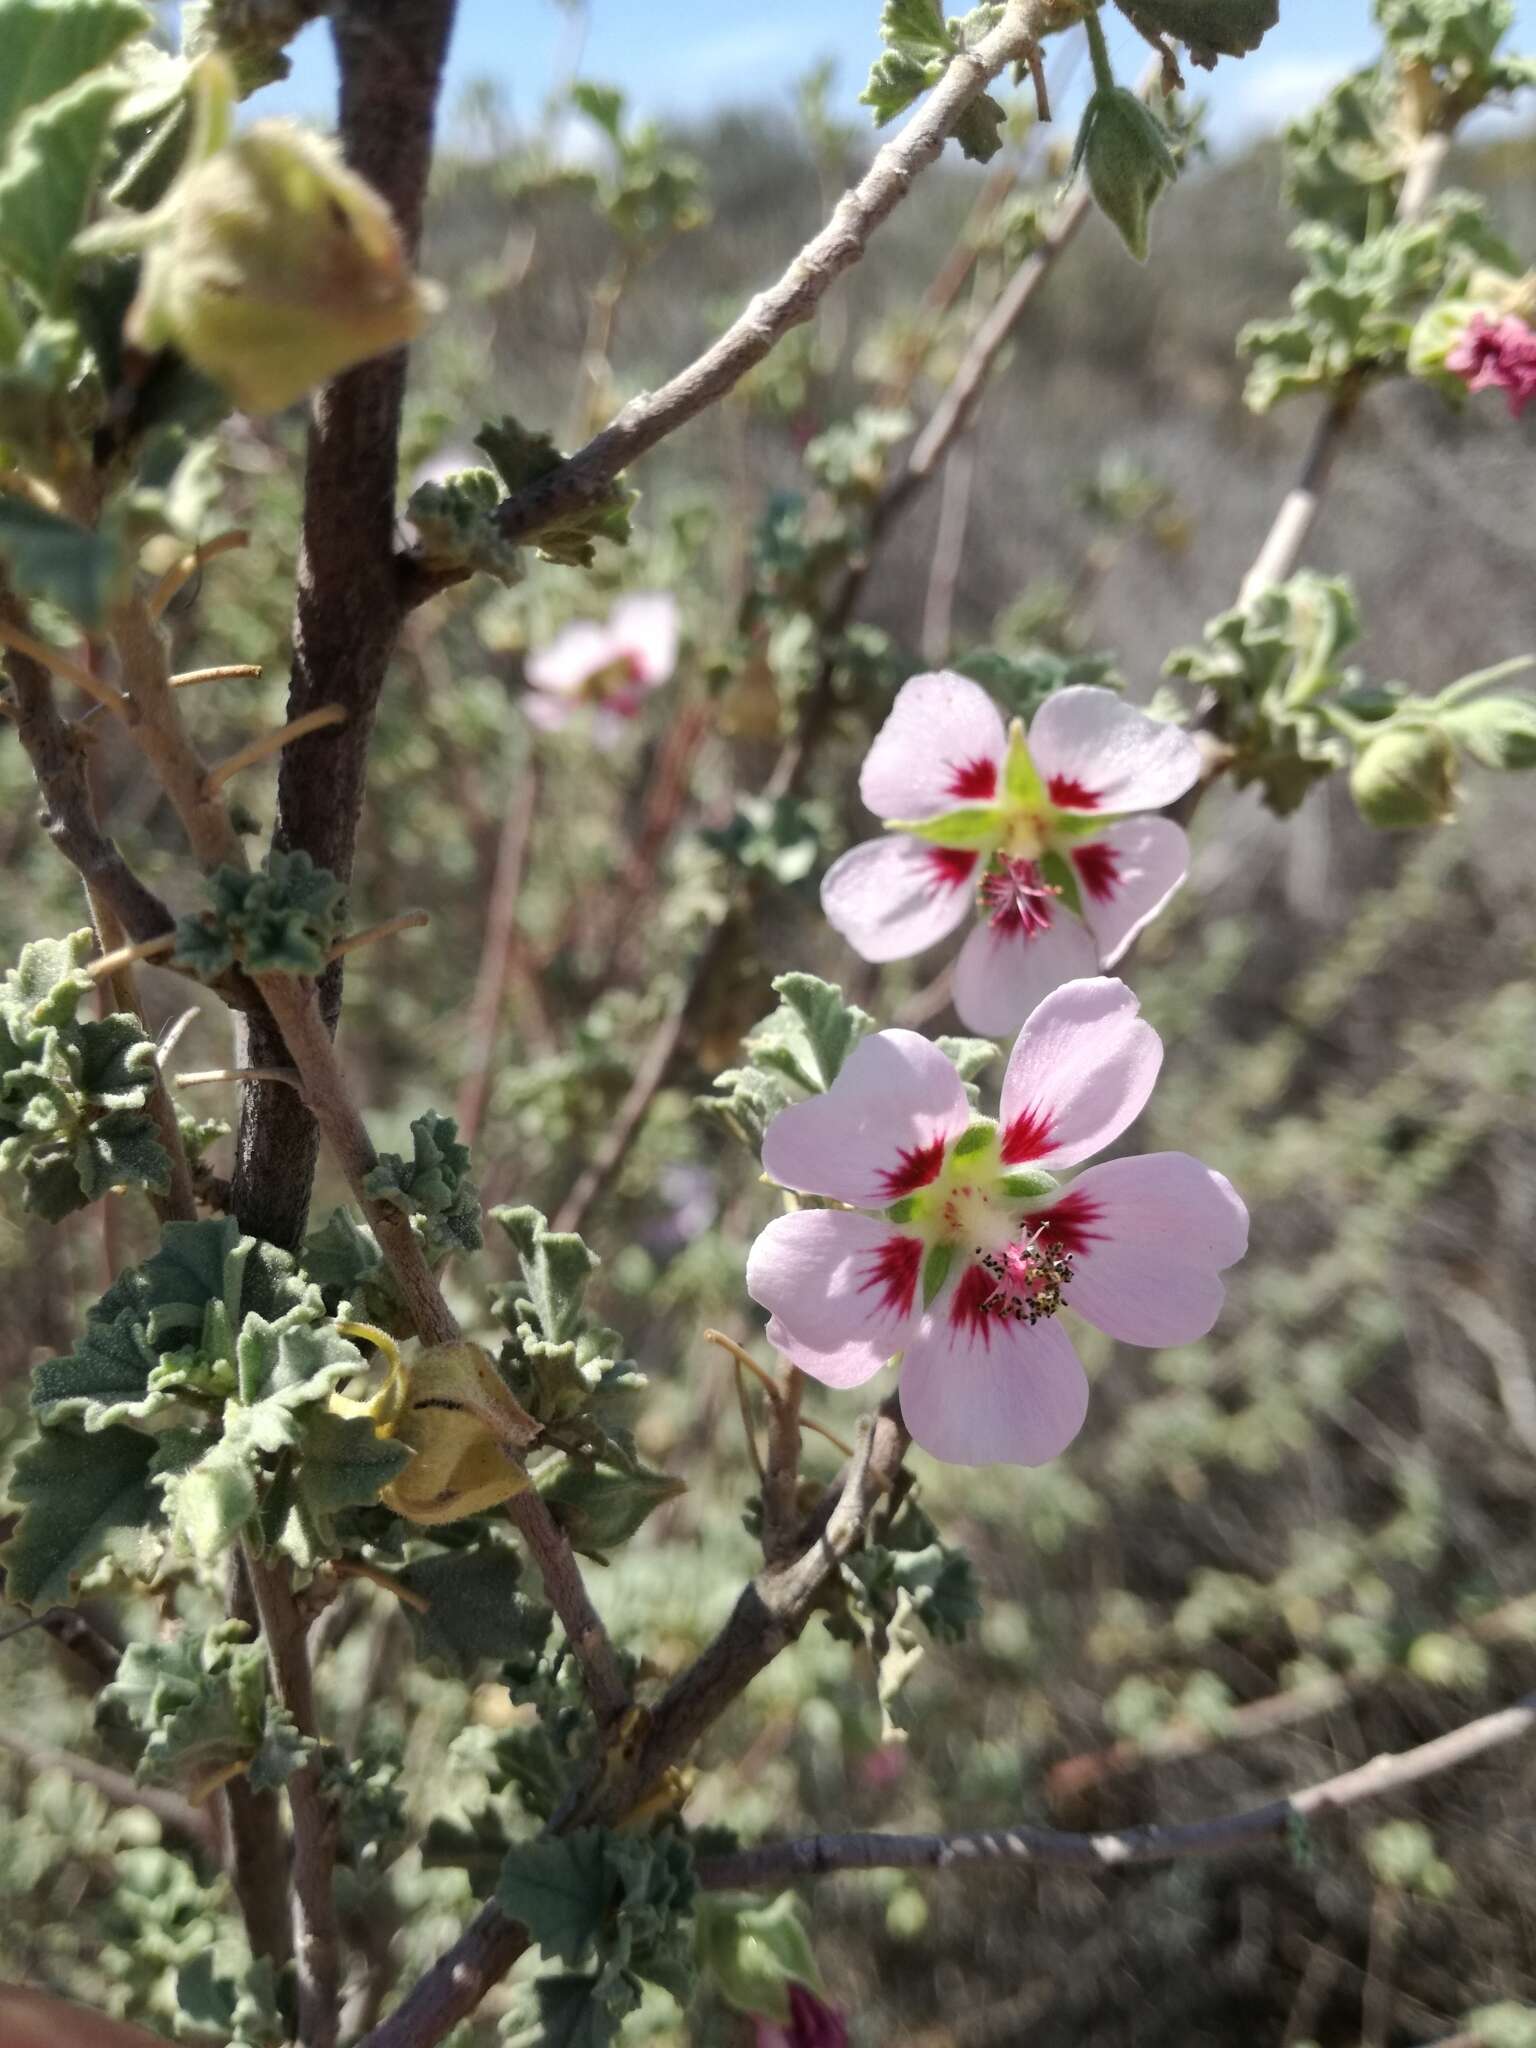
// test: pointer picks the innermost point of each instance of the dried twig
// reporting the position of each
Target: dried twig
(191, 678)
(266, 744)
(180, 573)
(407, 921)
(17, 641)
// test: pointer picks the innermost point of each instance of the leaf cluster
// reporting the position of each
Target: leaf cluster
(73, 1122)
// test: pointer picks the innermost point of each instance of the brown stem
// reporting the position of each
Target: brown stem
(177, 1815)
(498, 952)
(819, 1855)
(257, 1850)
(567, 1592)
(348, 607)
(1287, 537)
(316, 1938)
(769, 1615)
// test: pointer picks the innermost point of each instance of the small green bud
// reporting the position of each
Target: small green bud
(1406, 777)
(1124, 149)
(754, 1953)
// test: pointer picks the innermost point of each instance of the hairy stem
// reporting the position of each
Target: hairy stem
(316, 1938)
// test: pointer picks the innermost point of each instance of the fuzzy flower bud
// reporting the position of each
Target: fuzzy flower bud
(1406, 777)
(269, 264)
(1124, 149)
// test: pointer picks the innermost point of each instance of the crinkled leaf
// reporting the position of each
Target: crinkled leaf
(556, 1268)
(83, 1498)
(434, 1185)
(521, 457)
(342, 1461)
(1208, 28)
(810, 1034)
(476, 1612)
(284, 918)
(240, 2011)
(568, 2012)
(455, 532)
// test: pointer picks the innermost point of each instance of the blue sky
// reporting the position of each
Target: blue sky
(688, 56)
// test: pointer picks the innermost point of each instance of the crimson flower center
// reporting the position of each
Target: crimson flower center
(1014, 893)
(1029, 1275)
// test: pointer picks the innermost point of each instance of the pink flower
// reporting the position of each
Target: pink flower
(1030, 833)
(811, 2024)
(964, 1248)
(1497, 355)
(609, 669)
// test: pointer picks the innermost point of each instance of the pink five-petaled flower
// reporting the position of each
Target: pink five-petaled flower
(609, 669)
(1030, 832)
(974, 1247)
(812, 2024)
(1497, 355)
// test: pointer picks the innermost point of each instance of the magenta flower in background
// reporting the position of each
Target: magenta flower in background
(1029, 833)
(959, 1249)
(812, 2024)
(608, 669)
(1497, 355)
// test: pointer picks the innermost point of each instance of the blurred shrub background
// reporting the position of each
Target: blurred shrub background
(1268, 1556)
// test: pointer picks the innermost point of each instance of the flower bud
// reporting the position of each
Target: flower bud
(756, 1953)
(1406, 777)
(272, 267)
(1124, 149)
(601, 1506)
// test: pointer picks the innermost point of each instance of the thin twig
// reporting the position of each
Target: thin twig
(207, 1077)
(61, 665)
(106, 965)
(585, 477)
(590, 1642)
(407, 921)
(181, 573)
(1287, 537)
(191, 678)
(316, 1938)
(256, 1844)
(819, 1855)
(177, 1815)
(266, 744)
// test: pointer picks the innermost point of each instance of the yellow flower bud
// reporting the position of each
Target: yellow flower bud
(452, 1408)
(270, 265)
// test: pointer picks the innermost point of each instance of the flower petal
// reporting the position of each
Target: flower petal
(645, 629)
(1080, 1071)
(1126, 874)
(1001, 975)
(842, 1291)
(879, 1132)
(1148, 1237)
(1095, 752)
(893, 897)
(981, 1390)
(575, 654)
(941, 746)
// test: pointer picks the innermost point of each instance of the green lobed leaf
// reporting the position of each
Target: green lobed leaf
(1208, 28)
(809, 1036)
(1500, 732)
(601, 1506)
(50, 44)
(556, 1268)
(521, 457)
(455, 532)
(476, 1611)
(568, 2012)
(47, 180)
(83, 1498)
(48, 556)
(284, 918)
(434, 1185)
(559, 1888)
